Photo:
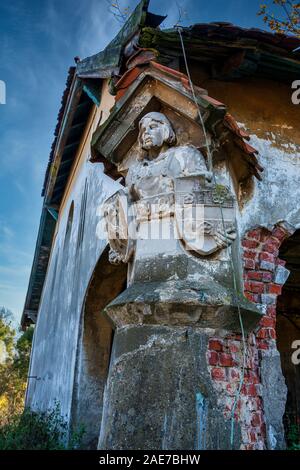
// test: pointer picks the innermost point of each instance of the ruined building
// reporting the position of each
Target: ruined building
(183, 339)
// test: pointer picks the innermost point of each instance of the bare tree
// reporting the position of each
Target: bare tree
(182, 14)
(120, 14)
(288, 21)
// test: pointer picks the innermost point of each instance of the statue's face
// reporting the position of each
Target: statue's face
(152, 134)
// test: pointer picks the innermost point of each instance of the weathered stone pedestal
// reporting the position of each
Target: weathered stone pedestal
(159, 393)
(178, 245)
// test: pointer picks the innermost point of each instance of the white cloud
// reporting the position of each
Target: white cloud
(5, 231)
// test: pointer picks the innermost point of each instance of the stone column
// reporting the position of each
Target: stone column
(159, 392)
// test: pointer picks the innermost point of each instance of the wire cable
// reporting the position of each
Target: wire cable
(229, 252)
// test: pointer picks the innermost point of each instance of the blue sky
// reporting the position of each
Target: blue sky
(38, 41)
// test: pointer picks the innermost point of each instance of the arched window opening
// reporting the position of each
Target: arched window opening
(288, 333)
(94, 348)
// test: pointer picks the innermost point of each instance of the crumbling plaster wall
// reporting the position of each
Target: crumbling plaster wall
(267, 216)
(258, 106)
(265, 109)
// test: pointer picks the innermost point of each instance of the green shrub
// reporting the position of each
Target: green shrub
(293, 438)
(39, 431)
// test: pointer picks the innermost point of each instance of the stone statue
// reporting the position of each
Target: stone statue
(169, 182)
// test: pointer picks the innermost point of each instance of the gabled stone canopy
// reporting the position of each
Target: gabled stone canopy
(154, 87)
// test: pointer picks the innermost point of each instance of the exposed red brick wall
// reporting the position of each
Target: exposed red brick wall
(225, 355)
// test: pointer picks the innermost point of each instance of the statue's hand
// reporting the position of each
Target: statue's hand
(225, 239)
(114, 257)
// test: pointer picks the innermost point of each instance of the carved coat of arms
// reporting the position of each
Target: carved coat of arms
(173, 182)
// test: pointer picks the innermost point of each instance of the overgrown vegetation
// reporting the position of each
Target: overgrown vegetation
(24, 429)
(293, 437)
(14, 363)
(39, 431)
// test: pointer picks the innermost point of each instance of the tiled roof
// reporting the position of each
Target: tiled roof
(238, 135)
(70, 76)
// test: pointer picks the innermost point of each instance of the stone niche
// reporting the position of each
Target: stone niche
(164, 273)
(173, 224)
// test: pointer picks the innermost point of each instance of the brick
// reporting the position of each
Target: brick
(218, 373)
(267, 322)
(268, 299)
(279, 233)
(271, 311)
(255, 234)
(213, 358)
(255, 275)
(259, 402)
(263, 430)
(256, 419)
(250, 254)
(267, 277)
(262, 344)
(281, 274)
(262, 333)
(249, 447)
(267, 265)
(249, 264)
(234, 346)
(251, 377)
(274, 289)
(250, 243)
(265, 235)
(281, 262)
(247, 377)
(252, 297)
(250, 362)
(226, 360)
(272, 333)
(271, 246)
(215, 345)
(265, 333)
(234, 374)
(251, 390)
(267, 257)
(255, 286)
(271, 249)
(237, 337)
(255, 377)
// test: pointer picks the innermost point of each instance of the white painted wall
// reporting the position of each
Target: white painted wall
(69, 272)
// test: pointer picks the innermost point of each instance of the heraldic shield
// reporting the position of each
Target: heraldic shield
(115, 213)
(205, 215)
